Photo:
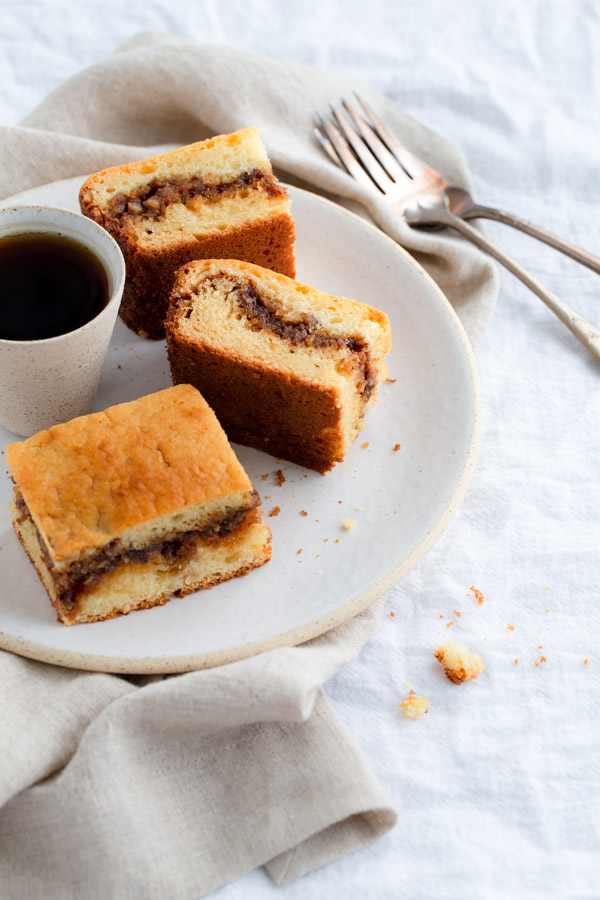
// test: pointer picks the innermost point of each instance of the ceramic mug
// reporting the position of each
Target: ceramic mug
(43, 382)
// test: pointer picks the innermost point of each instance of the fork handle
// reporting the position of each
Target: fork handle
(475, 211)
(585, 332)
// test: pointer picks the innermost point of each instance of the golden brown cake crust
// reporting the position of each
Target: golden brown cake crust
(151, 274)
(302, 427)
(88, 480)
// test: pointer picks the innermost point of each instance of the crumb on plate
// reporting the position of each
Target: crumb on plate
(275, 511)
(349, 524)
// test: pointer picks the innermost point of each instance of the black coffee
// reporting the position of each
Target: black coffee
(49, 285)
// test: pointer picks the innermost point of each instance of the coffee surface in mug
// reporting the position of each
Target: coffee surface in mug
(49, 285)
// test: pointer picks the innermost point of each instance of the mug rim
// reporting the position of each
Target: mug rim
(115, 272)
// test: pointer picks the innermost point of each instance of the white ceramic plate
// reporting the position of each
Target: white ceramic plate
(320, 573)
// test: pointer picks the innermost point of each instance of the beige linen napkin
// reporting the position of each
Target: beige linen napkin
(152, 788)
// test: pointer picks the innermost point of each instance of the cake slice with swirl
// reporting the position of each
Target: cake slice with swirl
(123, 509)
(215, 198)
(287, 368)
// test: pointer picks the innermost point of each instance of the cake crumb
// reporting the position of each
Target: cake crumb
(477, 594)
(359, 508)
(456, 613)
(275, 511)
(337, 540)
(390, 381)
(280, 478)
(264, 477)
(414, 707)
(459, 664)
(349, 524)
(511, 627)
(303, 512)
(448, 624)
(396, 447)
(299, 551)
(365, 445)
(585, 662)
(393, 615)
(517, 661)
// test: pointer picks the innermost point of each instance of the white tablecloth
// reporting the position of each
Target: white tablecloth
(498, 786)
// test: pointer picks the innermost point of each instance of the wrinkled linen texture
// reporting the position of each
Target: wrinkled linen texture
(497, 788)
(196, 779)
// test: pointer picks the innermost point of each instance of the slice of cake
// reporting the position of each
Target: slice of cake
(286, 368)
(119, 510)
(216, 198)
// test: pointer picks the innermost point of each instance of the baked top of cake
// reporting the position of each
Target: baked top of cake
(128, 472)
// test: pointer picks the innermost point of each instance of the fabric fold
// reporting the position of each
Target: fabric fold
(162, 811)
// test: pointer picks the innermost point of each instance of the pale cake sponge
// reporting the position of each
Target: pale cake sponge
(215, 198)
(120, 509)
(458, 662)
(287, 368)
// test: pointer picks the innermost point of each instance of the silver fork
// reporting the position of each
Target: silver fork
(362, 145)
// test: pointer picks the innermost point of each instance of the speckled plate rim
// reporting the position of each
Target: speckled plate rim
(323, 624)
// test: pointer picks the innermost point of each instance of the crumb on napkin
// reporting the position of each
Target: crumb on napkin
(459, 664)
(477, 594)
(414, 707)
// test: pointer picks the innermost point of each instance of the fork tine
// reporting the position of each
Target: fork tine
(415, 167)
(369, 162)
(377, 147)
(326, 145)
(345, 158)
